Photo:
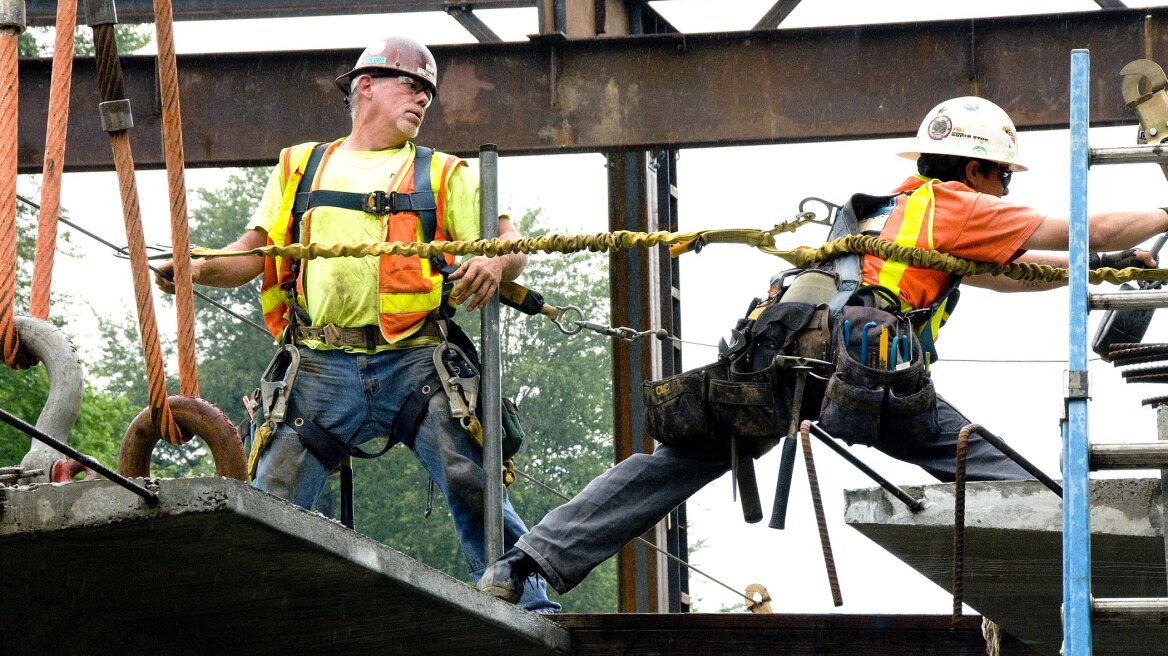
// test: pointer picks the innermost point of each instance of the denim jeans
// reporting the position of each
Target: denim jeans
(627, 500)
(356, 398)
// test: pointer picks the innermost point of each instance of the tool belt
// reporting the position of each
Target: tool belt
(745, 393)
(367, 337)
(872, 397)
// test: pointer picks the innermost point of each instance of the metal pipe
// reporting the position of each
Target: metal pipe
(1076, 502)
(1151, 153)
(1135, 299)
(1119, 611)
(30, 430)
(825, 437)
(492, 397)
(1129, 456)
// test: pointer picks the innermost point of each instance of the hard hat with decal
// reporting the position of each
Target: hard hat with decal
(395, 53)
(968, 127)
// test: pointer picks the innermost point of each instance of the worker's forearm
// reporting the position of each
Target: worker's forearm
(513, 265)
(228, 272)
(1114, 231)
(232, 271)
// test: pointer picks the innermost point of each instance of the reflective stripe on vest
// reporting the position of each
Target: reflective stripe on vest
(915, 229)
(408, 289)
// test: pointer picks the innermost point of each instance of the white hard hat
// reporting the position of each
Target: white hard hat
(968, 127)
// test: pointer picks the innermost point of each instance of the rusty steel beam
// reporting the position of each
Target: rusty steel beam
(44, 12)
(658, 91)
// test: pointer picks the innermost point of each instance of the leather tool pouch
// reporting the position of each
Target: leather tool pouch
(866, 404)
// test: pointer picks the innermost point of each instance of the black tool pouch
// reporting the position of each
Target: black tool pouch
(865, 404)
(676, 412)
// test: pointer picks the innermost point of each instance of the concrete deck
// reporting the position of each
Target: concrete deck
(219, 567)
(1013, 552)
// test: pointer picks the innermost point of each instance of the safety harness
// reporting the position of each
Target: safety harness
(928, 320)
(455, 358)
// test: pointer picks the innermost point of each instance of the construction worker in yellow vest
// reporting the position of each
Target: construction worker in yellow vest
(365, 328)
(966, 154)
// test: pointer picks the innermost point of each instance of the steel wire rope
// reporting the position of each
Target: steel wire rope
(750, 601)
(109, 74)
(9, 87)
(155, 269)
(56, 130)
(173, 146)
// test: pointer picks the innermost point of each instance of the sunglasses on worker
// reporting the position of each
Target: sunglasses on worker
(1004, 172)
(414, 85)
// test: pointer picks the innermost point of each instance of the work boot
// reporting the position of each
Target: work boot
(505, 577)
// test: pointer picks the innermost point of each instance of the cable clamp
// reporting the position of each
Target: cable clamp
(116, 115)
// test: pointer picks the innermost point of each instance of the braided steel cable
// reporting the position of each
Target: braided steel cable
(180, 237)
(109, 73)
(55, 133)
(9, 85)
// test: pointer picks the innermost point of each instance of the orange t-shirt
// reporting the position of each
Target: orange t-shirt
(966, 224)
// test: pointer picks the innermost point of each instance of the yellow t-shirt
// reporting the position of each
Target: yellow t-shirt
(343, 290)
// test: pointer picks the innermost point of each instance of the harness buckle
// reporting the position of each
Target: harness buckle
(379, 202)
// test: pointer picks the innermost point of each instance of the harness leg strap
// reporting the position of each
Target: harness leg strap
(327, 449)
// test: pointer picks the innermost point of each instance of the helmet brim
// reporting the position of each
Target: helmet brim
(1013, 167)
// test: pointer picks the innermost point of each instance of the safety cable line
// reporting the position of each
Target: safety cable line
(173, 145)
(54, 159)
(762, 240)
(652, 546)
(122, 250)
(109, 74)
(9, 85)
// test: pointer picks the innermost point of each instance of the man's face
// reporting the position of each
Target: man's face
(990, 178)
(401, 100)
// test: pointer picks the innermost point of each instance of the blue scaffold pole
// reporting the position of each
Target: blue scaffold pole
(1076, 505)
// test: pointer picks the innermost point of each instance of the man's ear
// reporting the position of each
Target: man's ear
(971, 171)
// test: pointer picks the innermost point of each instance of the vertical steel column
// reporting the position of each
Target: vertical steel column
(1076, 486)
(676, 539)
(1162, 435)
(634, 280)
(491, 384)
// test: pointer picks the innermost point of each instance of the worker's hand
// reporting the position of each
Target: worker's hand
(478, 278)
(164, 277)
(1123, 259)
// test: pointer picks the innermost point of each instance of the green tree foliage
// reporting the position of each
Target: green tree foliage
(38, 41)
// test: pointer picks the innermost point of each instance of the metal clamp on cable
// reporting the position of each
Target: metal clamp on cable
(12, 15)
(116, 115)
(100, 12)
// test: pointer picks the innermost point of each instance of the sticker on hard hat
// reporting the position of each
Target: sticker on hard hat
(940, 128)
(972, 105)
(374, 60)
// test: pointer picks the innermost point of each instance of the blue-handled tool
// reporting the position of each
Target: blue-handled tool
(895, 352)
(864, 342)
(847, 333)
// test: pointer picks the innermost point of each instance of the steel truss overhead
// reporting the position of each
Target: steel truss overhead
(44, 12)
(659, 91)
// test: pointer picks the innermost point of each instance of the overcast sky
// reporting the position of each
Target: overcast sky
(1019, 401)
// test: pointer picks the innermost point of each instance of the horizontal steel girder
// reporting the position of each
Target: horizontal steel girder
(555, 96)
(44, 12)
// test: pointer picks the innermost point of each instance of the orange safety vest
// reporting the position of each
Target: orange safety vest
(408, 287)
(911, 224)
